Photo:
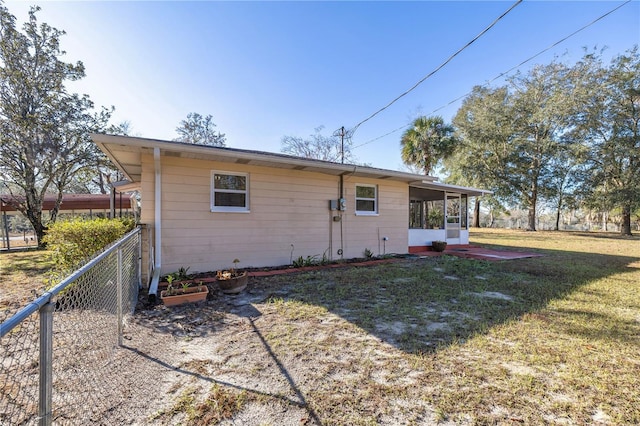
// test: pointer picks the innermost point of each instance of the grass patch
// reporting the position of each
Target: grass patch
(219, 404)
(24, 274)
(20, 264)
(553, 339)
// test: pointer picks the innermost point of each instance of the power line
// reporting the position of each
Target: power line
(537, 54)
(438, 68)
(505, 72)
(382, 136)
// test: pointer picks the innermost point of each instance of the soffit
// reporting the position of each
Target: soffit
(126, 153)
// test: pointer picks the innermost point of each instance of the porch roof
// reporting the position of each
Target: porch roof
(444, 187)
(70, 202)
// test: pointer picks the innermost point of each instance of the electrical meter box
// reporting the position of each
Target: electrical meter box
(339, 204)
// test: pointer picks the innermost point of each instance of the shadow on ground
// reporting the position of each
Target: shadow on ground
(421, 304)
(276, 328)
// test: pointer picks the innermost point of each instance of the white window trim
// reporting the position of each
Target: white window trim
(229, 209)
(375, 200)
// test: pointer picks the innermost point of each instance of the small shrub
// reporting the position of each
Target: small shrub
(299, 262)
(367, 253)
(73, 241)
(311, 260)
(308, 261)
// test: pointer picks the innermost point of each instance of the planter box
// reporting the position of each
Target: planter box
(233, 285)
(180, 296)
(176, 284)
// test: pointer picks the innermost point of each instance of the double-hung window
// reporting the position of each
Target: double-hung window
(229, 192)
(366, 199)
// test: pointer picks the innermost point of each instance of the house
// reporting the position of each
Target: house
(205, 206)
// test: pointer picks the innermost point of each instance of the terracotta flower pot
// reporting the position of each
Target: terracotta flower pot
(175, 284)
(205, 280)
(234, 284)
(181, 295)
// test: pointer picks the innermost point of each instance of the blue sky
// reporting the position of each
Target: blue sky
(268, 69)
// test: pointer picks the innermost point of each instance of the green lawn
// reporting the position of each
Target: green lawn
(22, 274)
(546, 340)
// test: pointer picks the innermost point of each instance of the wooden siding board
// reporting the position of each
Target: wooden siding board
(286, 207)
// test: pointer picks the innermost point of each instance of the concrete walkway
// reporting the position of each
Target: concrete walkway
(483, 253)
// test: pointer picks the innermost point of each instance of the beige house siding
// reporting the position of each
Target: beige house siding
(366, 232)
(289, 216)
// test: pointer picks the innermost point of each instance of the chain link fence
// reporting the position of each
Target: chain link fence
(60, 354)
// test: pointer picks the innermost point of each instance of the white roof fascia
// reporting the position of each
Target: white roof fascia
(126, 186)
(439, 186)
(108, 142)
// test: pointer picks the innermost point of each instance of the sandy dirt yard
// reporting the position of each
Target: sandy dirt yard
(266, 357)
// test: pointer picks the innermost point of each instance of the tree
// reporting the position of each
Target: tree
(199, 130)
(465, 173)
(559, 185)
(427, 142)
(465, 170)
(514, 133)
(101, 174)
(319, 147)
(611, 128)
(44, 130)
(481, 124)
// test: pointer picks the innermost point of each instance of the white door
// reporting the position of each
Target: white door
(452, 218)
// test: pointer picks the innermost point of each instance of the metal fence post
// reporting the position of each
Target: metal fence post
(139, 259)
(46, 367)
(120, 295)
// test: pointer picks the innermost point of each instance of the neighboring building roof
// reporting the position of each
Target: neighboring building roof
(126, 152)
(73, 202)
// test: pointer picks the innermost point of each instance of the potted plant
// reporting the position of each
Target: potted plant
(435, 218)
(438, 245)
(183, 294)
(232, 281)
(178, 277)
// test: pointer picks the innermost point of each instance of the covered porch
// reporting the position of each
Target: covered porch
(439, 212)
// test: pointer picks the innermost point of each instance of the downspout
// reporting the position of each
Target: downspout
(153, 288)
(341, 251)
(341, 217)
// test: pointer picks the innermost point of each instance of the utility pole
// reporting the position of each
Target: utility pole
(342, 143)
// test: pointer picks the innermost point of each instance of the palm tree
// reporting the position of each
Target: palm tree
(427, 142)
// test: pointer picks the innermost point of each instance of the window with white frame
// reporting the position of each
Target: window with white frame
(366, 199)
(229, 192)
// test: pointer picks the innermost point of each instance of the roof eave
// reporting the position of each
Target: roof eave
(105, 143)
(439, 186)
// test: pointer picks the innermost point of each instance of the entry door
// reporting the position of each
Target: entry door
(452, 219)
